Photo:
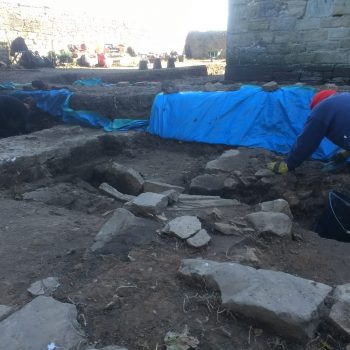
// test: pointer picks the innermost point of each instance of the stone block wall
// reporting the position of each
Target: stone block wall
(199, 44)
(289, 41)
(45, 29)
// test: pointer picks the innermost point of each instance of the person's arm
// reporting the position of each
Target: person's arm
(314, 131)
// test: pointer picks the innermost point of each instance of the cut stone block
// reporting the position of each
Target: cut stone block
(41, 322)
(269, 222)
(200, 239)
(148, 203)
(183, 227)
(288, 304)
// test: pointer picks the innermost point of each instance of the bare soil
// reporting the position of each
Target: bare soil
(132, 295)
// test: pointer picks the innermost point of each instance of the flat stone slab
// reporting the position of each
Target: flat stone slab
(340, 311)
(159, 187)
(190, 202)
(200, 239)
(41, 322)
(44, 287)
(148, 203)
(183, 227)
(5, 311)
(269, 222)
(288, 304)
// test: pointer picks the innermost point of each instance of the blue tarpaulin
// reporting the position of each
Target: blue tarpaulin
(248, 117)
(56, 103)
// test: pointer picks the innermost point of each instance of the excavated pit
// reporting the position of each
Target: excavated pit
(50, 189)
(130, 293)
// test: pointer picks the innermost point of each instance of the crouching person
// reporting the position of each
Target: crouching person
(14, 115)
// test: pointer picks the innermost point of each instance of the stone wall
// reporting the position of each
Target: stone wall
(199, 44)
(289, 41)
(45, 29)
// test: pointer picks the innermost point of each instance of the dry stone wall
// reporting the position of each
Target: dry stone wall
(45, 29)
(199, 45)
(288, 41)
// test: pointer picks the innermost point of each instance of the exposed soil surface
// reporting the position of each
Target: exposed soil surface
(131, 294)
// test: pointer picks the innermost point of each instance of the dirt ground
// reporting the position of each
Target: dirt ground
(131, 294)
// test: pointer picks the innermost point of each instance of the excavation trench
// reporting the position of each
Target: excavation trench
(130, 293)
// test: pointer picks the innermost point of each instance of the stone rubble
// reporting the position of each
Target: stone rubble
(183, 227)
(44, 287)
(277, 206)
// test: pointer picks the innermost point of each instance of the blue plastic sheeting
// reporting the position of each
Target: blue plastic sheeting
(13, 86)
(248, 117)
(91, 82)
(56, 103)
(50, 101)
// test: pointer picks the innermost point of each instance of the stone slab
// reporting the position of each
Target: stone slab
(41, 322)
(147, 203)
(159, 187)
(288, 304)
(183, 227)
(200, 239)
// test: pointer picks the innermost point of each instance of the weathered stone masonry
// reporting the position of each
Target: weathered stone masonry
(45, 29)
(288, 41)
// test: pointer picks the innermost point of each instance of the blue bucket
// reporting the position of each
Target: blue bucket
(334, 223)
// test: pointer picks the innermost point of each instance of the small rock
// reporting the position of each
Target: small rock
(277, 206)
(5, 311)
(180, 341)
(227, 162)
(147, 203)
(269, 222)
(227, 229)
(172, 195)
(200, 239)
(183, 227)
(264, 173)
(215, 214)
(270, 86)
(44, 287)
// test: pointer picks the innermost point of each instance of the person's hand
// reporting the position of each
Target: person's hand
(279, 167)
